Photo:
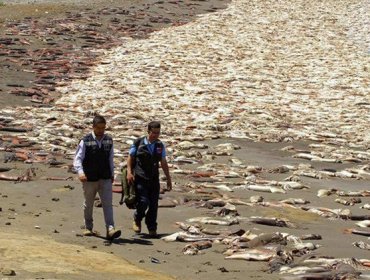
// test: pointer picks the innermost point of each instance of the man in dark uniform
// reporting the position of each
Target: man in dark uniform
(94, 163)
(142, 170)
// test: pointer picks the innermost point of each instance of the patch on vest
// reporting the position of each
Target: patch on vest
(107, 142)
(159, 150)
(90, 143)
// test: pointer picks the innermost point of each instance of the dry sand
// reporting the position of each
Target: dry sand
(41, 220)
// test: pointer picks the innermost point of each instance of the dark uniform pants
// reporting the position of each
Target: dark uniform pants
(147, 195)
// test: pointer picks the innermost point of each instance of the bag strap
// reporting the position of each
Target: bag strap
(137, 143)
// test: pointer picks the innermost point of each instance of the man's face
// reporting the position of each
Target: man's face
(99, 129)
(154, 134)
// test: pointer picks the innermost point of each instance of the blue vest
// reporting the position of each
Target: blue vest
(96, 164)
(147, 163)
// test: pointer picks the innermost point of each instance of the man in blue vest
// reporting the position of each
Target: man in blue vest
(94, 163)
(142, 169)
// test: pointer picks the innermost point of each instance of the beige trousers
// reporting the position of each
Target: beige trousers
(90, 189)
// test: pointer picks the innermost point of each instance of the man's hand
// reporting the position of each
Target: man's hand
(82, 177)
(130, 178)
(166, 171)
(169, 185)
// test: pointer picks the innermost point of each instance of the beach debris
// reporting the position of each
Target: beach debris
(311, 236)
(261, 188)
(223, 269)
(364, 224)
(271, 221)
(313, 267)
(252, 169)
(258, 254)
(264, 239)
(167, 203)
(193, 229)
(215, 186)
(188, 237)
(328, 212)
(98, 203)
(329, 260)
(5, 169)
(356, 231)
(263, 119)
(171, 238)
(195, 247)
(154, 260)
(363, 193)
(293, 178)
(282, 169)
(56, 178)
(236, 162)
(314, 157)
(256, 198)
(295, 201)
(7, 272)
(236, 201)
(309, 173)
(184, 160)
(358, 217)
(361, 245)
(350, 202)
(292, 185)
(28, 174)
(213, 203)
(325, 192)
(41, 51)
(224, 221)
(307, 100)
(365, 206)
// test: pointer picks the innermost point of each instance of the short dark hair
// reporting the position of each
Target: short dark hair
(154, 124)
(99, 119)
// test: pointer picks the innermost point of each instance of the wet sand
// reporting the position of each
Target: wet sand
(47, 215)
(51, 210)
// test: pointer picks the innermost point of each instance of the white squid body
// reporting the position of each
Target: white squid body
(253, 255)
(364, 224)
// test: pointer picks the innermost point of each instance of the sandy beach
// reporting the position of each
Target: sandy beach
(248, 93)
(49, 229)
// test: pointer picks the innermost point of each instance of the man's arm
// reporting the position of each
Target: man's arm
(166, 172)
(130, 172)
(131, 162)
(77, 162)
(111, 162)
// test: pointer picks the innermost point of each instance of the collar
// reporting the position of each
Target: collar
(146, 141)
(94, 136)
